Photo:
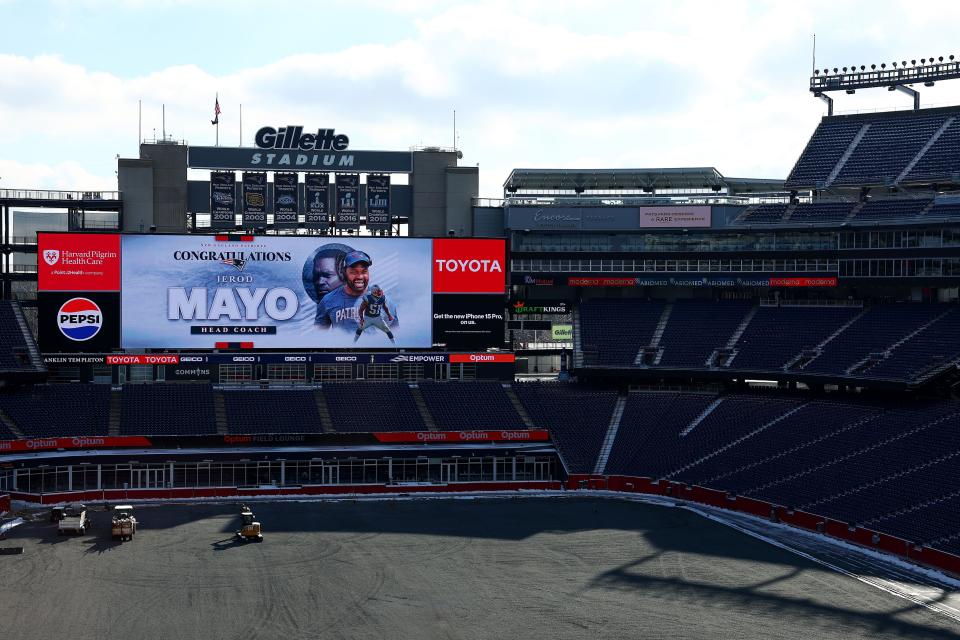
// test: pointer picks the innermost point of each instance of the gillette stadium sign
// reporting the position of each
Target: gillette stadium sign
(294, 147)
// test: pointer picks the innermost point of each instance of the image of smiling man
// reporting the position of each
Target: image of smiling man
(340, 307)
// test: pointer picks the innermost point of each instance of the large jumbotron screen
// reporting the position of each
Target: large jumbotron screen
(270, 292)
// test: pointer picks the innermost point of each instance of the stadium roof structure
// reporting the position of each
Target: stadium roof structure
(649, 180)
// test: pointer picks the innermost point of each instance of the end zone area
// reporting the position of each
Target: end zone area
(439, 568)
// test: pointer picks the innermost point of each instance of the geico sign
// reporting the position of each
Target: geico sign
(469, 266)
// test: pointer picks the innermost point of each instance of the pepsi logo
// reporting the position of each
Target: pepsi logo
(79, 319)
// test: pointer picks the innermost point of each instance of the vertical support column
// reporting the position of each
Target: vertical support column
(283, 473)
(69, 477)
(16, 483)
(170, 481)
(99, 479)
(390, 470)
(514, 478)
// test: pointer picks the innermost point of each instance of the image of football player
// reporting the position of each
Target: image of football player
(339, 308)
(372, 309)
(321, 272)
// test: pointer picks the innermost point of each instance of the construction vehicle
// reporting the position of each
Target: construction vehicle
(74, 520)
(124, 525)
(250, 531)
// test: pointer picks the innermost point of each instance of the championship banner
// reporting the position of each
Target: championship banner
(348, 201)
(223, 205)
(285, 200)
(254, 199)
(316, 191)
(378, 202)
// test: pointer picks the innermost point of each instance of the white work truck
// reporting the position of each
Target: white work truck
(74, 520)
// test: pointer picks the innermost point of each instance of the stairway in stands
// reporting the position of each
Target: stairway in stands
(116, 411)
(518, 406)
(422, 408)
(36, 360)
(10, 424)
(611, 436)
(326, 422)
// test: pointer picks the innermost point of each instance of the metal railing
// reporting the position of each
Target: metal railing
(40, 194)
(774, 302)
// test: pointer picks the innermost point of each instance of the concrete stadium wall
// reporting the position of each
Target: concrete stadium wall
(113, 495)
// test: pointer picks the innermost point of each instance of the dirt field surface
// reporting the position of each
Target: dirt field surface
(457, 568)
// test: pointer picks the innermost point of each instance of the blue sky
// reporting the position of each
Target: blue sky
(535, 84)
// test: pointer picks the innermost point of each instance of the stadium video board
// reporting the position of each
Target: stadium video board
(99, 292)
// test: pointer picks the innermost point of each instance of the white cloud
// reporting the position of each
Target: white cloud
(534, 84)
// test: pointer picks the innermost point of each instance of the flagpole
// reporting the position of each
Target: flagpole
(241, 125)
(217, 101)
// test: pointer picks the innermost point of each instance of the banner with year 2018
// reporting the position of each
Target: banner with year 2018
(254, 199)
(378, 202)
(348, 201)
(285, 201)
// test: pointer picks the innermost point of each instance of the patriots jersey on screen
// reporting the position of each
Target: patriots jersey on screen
(338, 309)
(374, 304)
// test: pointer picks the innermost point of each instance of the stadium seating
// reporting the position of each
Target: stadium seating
(892, 209)
(878, 329)
(271, 412)
(762, 214)
(821, 212)
(823, 151)
(886, 465)
(13, 345)
(942, 158)
(59, 410)
(577, 417)
(933, 348)
(776, 335)
(470, 405)
(894, 341)
(697, 328)
(167, 409)
(888, 147)
(889, 143)
(944, 210)
(614, 331)
(372, 406)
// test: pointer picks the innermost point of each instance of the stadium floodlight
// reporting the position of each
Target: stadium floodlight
(900, 78)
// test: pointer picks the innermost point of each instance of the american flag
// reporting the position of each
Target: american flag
(216, 111)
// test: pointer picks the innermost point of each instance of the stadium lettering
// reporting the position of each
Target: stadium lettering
(241, 303)
(87, 442)
(220, 256)
(293, 137)
(476, 266)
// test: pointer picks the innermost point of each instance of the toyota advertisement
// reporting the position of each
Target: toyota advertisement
(102, 291)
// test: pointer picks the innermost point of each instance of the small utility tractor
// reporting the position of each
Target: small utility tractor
(250, 531)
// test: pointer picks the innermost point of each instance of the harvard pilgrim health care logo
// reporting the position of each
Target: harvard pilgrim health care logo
(51, 256)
